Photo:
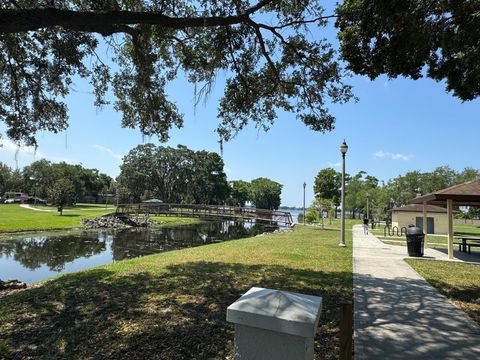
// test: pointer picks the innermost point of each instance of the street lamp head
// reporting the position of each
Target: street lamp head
(304, 184)
(344, 148)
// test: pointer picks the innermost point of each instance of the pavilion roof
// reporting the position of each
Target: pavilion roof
(466, 194)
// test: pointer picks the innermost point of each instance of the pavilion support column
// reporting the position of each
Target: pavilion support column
(425, 224)
(450, 227)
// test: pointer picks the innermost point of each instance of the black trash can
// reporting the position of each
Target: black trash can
(415, 239)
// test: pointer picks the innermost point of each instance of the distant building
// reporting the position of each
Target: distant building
(437, 222)
(15, 197)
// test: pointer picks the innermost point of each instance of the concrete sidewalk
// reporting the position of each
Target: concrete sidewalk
(398, 315)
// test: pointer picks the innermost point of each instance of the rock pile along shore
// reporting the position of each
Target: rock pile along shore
(115, 222)
(12, 285)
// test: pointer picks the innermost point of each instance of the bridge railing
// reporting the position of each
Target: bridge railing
(225, 212)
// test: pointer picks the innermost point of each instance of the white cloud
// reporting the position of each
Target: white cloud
(15, 155)
(335, 165)
(10, 147)
(57, 159)
(393, 156)
(108, 151)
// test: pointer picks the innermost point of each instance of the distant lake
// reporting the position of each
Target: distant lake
(294, 213)
(37, 256)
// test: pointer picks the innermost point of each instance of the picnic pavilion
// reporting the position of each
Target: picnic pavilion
(466, 194)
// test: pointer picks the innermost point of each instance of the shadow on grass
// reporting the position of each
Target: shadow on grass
(178, 314)
(473, 257)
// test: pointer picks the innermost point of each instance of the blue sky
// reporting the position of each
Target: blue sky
(398, 125)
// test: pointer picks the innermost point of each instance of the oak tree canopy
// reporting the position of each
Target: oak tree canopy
(439, 39)
(266, 48)
(272, 53)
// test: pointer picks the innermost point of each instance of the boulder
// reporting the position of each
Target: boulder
(113, 221)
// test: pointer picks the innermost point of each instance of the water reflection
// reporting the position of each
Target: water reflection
(33, 252)
(34, 258)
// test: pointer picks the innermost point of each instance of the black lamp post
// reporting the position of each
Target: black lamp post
(304, 186)
(343, 150)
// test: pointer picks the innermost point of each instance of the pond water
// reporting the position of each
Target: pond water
(38, 256)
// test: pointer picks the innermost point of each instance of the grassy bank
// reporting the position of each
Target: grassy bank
(15, 218)
(173, 305)
(335, 223)
(459, 282)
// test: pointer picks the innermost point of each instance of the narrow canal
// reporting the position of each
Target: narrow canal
(33, 257)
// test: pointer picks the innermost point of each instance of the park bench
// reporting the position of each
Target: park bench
(467, 242)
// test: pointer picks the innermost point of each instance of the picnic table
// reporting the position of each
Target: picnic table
(467, 242)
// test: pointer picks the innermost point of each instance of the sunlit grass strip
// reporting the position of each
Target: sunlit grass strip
(15, 218)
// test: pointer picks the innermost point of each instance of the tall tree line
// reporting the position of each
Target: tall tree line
(40, 177)
(263, 193)
(362, 189)
(174, 175)
(182, 175)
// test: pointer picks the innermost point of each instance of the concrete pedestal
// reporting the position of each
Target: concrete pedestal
(274, 325)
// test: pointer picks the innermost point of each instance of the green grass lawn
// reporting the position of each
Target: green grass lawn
(336, 223)
(15, 218)
(173, 305)
(459, 282)
(466, 229)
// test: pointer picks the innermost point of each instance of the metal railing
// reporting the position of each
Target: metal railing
(211, 212)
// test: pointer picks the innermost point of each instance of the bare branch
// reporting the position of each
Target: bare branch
(303, 22)
(263, 48)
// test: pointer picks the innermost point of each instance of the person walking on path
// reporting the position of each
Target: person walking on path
(365, 225)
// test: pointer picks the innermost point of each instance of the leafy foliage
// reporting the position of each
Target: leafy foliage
(405, 187)
(62, 193)
(39, 177)
(5, 178)
(327, 185)
(413, 38)
(362, 188)
(175, 175)
(264, 48)
(239, 193)
(265, 193)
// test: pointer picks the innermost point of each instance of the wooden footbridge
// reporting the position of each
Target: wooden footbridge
(209, 212)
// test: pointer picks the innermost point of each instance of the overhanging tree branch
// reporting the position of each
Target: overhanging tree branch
(109, 22)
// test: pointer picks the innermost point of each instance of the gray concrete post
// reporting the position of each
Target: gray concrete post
(274, 325)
